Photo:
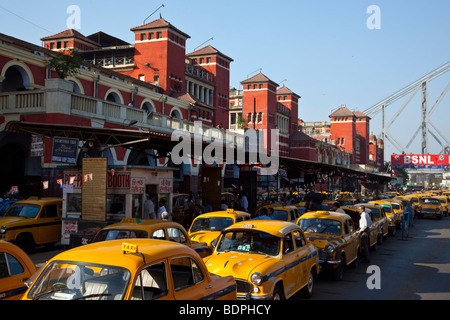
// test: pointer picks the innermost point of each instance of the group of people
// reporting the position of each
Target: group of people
(149, 208)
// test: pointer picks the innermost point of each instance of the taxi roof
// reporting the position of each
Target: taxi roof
(273, 227)
(325, 214)
(223, 213)
(38, 200)
(142, 224)
(110, 252)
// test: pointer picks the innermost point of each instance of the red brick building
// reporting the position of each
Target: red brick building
(158, 56)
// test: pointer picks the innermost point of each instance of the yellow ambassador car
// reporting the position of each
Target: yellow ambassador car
(280, 212)
(16, 268)
(335, 235)
(207, 227)
(30, 222)
(269, 259)
(391, 215)
(431, 207)
(152, 229)
(138, 269)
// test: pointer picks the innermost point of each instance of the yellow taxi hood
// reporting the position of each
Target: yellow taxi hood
(8, 221)
(239, 265)
(204, 236)
(321, 240)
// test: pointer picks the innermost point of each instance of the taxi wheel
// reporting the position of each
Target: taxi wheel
(278, 293)
(338, 273)
(307, 291)
(26, 243)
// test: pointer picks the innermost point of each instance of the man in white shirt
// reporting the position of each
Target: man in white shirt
(364, 230)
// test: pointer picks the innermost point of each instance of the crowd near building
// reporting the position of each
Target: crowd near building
(153, 86)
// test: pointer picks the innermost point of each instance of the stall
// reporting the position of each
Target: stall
(96, 195)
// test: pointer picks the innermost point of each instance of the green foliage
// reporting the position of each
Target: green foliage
(66, 63)
(241, 122)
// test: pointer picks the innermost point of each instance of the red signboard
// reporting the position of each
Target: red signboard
(420, 160)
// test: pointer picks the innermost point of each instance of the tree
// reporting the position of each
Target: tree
(66, 63)
(241, 122)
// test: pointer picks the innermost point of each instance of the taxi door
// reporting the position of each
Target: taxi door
(189, 280)
(13, 274)
(351, 238)
(294, 273)
(49, 223)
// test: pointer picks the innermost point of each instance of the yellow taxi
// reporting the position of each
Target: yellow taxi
(207, 227)
(138, 269)
(390, 214)
(353, 212)
(431, 207)
(269, 259)
(280, 212)
(335, 235)
(444, 203)
(415, 202)
(399, 209)
(31, 222)
(347, 201)
(380, 220)
(16, 268)
(151, 229)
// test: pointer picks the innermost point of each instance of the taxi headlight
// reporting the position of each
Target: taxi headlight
(3, 230)
(330, 248)
(256, 278)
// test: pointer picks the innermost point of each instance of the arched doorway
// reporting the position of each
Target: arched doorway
(16, 79)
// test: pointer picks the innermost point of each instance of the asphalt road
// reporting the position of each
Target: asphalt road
(413, 268)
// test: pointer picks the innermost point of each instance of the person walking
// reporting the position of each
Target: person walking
(161, 209)
(364, 230)
(149, 207)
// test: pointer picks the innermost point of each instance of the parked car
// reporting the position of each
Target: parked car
(4, 206)
(151, 229)
(207, 227)
(16, 268)
(32, 222)
(269, 259)
(138, 269)
(431, 207)
(336, 237)
(280, 212)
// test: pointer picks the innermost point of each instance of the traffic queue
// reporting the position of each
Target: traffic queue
(229, 254)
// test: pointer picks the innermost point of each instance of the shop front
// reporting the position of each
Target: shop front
(96, 195)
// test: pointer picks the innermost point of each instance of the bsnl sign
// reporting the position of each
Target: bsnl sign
(419, 161)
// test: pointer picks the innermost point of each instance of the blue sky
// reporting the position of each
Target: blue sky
(322, 49)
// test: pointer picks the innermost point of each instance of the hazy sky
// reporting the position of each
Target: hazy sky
(322, 50)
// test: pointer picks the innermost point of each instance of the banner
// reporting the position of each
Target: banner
(420, 161)
(65, 150)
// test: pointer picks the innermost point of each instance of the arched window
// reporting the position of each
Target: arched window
(175, 114)
(16, 79)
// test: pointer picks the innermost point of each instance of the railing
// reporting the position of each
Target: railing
(18, 101)
(102, 110)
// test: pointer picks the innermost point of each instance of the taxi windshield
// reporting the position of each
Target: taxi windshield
(319, 225)
(249, 241)
(430, 201)
(280, 215)
(387, 208)
(211, 224)
(115, 234)
(63, 280)
(23, 210)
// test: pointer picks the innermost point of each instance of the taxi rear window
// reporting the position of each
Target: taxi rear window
(115, 234)
(23, 210)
